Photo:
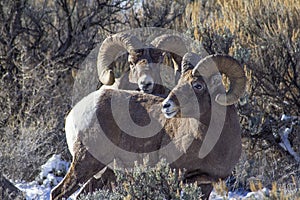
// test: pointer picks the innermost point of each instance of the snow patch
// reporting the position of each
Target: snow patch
(286, 145)
(284, 135)
(241, 195)
(51, 174)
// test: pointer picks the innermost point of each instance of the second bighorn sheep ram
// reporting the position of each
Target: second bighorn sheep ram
(144, 61)
(197, 119)
(146, 68)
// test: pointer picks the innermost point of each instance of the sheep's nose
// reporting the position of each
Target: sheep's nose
(166, 105)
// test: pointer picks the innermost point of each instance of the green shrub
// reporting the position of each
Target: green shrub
(144, 182)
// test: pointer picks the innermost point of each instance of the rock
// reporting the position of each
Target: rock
(8, 191)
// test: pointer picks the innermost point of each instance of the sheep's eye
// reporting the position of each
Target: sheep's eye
(198, 86)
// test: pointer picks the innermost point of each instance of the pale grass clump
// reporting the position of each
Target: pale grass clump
(259, 191)
(261, 167)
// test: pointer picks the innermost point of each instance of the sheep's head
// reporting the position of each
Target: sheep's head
(144, 60)
(145, 68)
(199, 85)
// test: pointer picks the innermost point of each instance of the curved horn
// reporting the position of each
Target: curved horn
(171, 43)
(231, 68)
(108, 51)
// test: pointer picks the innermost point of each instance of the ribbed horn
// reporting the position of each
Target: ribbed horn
(231, 68)
(172, 43)
(108, 51)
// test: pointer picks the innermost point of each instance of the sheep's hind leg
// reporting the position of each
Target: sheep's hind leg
(103, 180)
(82, 168)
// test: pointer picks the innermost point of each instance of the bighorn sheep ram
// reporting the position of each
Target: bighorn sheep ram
(144, 61)
(197, 126)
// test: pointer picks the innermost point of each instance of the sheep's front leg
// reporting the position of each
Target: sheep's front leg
(206, 190)
(82, 168)
(204, 182)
